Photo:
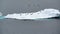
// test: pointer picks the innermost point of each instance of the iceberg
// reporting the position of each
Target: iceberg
(1, 17)
(46, 13)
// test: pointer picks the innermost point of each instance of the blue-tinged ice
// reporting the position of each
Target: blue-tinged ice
(1, 17)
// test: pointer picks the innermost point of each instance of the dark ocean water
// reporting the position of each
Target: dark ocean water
(42, 26)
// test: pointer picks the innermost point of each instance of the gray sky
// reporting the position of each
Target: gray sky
(27, 5)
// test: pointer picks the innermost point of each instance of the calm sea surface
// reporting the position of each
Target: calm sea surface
(42, 26)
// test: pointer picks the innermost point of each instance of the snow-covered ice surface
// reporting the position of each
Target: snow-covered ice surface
(46, 13)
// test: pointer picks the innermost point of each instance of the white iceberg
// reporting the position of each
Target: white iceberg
(46, 13)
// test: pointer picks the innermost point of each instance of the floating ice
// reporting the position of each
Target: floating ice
(46, 13)
(1, 17)
(0, 14)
